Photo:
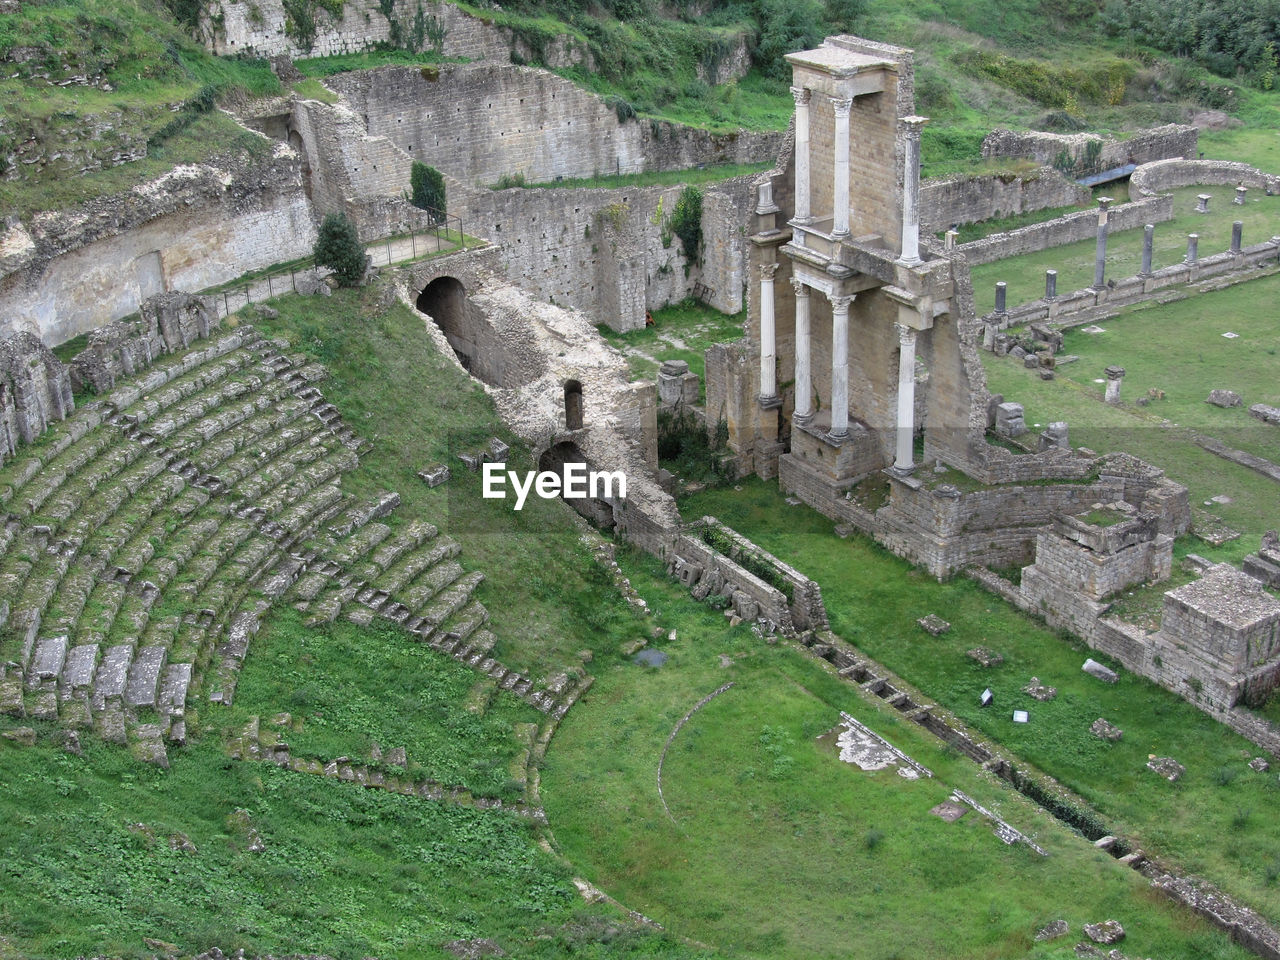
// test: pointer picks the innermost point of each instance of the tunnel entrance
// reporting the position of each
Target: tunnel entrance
(595, 509)
(444, 300)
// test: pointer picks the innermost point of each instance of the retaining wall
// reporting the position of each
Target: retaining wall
(970, 199)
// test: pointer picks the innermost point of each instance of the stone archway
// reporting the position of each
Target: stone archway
(444, 300)
(599, 511)
(573, 405)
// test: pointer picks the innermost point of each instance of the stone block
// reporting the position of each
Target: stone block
(985, 657)
(1095, 669)
(1223, 398)
(1039, 691)
(1167, 767)
(1107, 932)
(434, 476)
(1260, 411)
(1009, 419)
(1051, 931)
(1103, 730)
(934, 624)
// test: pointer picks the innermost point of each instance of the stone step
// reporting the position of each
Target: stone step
(173, 689)
(143, 682)
(113, 674)
(77, 674)
(47, 660)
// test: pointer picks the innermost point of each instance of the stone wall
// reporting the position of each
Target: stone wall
(35, 391)
(193, 228)
(480, 121)
(971, 199)
(167, 322)
(1159, 177)
(1070, 228)
(1156, 143)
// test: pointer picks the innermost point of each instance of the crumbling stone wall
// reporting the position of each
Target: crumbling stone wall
(35, 390)
(1070, 228)
(1162, 176)
(167, 322)
(480, 121)
(971, 199)
(193, 228)
(1157, 143)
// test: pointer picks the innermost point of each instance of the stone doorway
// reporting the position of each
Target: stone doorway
(573, 407)
(598, 511)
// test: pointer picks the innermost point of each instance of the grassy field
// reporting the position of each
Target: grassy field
(1212, 822)
(101, 851)
(774, 848)
(1075, 262)
(679, 332)
(1186, 366)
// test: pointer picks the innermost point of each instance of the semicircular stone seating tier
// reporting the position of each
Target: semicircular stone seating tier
(145, 537)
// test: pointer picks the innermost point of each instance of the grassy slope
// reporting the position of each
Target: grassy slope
(366, 873)
(679, 332)
(776, 849)
(873, 600)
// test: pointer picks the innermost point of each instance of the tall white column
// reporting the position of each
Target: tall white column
(903, 464)
(840, 367)
(841, 228)
(804, 381)
(911, 190)
(801, 96)
(768, 338)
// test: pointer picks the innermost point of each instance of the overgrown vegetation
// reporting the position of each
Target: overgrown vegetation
(692, 451)
(686, 223)
(427, 190)
(338, 247)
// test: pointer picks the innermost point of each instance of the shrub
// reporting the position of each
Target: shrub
(686, 223)
(426, 184)
(338, 247)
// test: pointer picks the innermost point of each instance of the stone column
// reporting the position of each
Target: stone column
(950, 239)
(903, 464)
(911, 190)
(1148, 241)
(768, 339)
(1002, 297)
(1100, 256)
(1202, 202)
(1050, 284)
(1238, 199)
(1193, 243)
(1237, 235)
(840, 367)
(841, 226)
(1114, 377)
(801, 96)
(804, 382)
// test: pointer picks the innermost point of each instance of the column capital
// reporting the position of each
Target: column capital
(913, 124)
(841, 303)
(767, 271)
(801, 95)
(800, 287)
(906, 334)
(842, 105)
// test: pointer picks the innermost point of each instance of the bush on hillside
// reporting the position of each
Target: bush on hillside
(426, 186)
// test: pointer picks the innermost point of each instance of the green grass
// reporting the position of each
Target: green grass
(713, 173)
(985, 228)
(679, 332)
(873, 600)
(1075, 262)
(547, 598)
(346, 872)
(348, 687)
(1186, 367)
(774, 848)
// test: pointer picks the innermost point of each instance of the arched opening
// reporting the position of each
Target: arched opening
(573, 404)
(596, 509)
(444, 300)
(295, 141)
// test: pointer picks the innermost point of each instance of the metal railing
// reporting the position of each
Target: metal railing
(444, 236)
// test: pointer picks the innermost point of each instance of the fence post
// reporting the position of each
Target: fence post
(413, 239)
(270, 292)
(293, 281)
(388, 251)
(248, 296)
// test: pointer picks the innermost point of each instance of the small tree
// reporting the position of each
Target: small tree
(427, 184)
(338, 247)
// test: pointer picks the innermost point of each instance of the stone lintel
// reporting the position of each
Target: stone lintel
(771, 238)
